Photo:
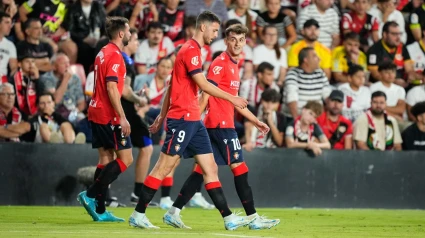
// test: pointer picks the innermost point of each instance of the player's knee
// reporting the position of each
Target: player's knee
(211, 170)
(239, 168)
(148, 150)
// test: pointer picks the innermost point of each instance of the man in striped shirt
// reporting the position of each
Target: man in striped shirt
(307, 82)
(328, 19)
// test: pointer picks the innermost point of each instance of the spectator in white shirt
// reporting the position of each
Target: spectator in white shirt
(7, 48)
(247, 17)
(357, 96)
(151, 50)
(328, 19)
(386, 11)
(271, 52)
(396, 95)
(414, 96)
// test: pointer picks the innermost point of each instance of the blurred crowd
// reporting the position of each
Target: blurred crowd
(323, 74)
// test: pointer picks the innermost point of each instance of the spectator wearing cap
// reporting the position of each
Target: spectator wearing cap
(357, 96)
(310, 33)
(26, 83)
(151, 50)
(337, 128)
(375, 129)
(343, 57)
(304, 83)
(414, 135)
(327, 18)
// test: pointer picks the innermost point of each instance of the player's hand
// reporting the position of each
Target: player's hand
(239, 102)
(156, 125)
(125, 127)
(262, 127)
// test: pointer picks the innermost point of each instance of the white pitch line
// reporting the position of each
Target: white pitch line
(229, 235)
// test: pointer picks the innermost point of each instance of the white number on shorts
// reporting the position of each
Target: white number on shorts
(181, 136)
(236, 144)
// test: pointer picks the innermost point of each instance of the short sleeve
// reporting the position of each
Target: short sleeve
(406, 55)
(112, 67)
(261, 22)
(216, 72)
(401, 94)
(12, 51)
(361, 128)
(292, 57)
(287, 21)
(49, 50)
(283, 61)
(192, 60)
(317, 131)
(397, 135)
(336, 62)
(289, 132)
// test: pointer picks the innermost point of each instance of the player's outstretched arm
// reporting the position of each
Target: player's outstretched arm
(203, 101)
(209, 88)
(156, 125)
(261, 126)
(114, 97)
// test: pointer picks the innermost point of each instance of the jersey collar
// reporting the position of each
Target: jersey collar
(233, 61)
(387, 48)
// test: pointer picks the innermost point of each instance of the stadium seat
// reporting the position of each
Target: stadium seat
(78, 69)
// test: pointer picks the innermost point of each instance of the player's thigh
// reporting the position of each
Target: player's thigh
(179, 134)
(200, 142)
(164, 165)
(105, 155)
(226, 146)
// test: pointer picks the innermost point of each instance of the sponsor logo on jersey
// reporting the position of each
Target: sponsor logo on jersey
(217, 69)
(195, 60)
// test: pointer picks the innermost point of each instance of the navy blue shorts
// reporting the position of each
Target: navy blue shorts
(226, 147)
(186, 138)
(109, 137)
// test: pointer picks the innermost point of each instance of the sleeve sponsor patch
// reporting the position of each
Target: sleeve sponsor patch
(414, 19)
(195, 60)
(372, 59)
(216, 70)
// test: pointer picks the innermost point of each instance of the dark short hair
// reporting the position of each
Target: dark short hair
(315, 106)
(114, 25)
(237, 29)
(45, 94)
(269, 27)
(134, 31)
(216, 54)
(303, 54)
(387, 25)
(354, 68)
(3, 15)
(154, 25)
(311, 22)
(379, 94)
(387, 65)
(190, 21)
(352, 36)
(232, 22)
(418, 109)
(162, 59)
(264, 66)
(207, 16)
(27, 24)
(270, 95)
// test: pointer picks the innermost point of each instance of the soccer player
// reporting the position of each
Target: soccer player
(219, 121)
(110, 127)
(185, 131)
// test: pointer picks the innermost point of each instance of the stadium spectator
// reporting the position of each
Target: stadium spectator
(386, 12)
(362, 23)
(85, 20)
(151, 50)
(416, 52)
(172, 19)
(414, 135)
(343, 57)
(304, 133)
(395, 95)
(120, 8)
(144, 12)
(414, 96)
(337, 128)
(247, 17)
(252, 89)
(390, 48)
(245, 65)
(195, 7)
(51, 15)
(283, 23)
(32, 46)
(357, 96)
(304, 83)
(154, 86)
(374, 129)
(416, 23)
(7, 48)
(310, 33)
(327, 18)
(269, 114)
(26, 83)
(12, 124)
(65, 87)
(272, 53)
(48, 126)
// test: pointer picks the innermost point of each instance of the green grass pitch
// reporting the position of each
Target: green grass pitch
(344, 223)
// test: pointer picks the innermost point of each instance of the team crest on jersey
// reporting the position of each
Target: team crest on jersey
(217, 69)
(123, 142)
(236, 155)
(225, 141)
(177, 147)
(195, 60)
